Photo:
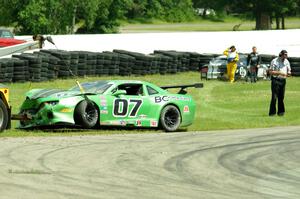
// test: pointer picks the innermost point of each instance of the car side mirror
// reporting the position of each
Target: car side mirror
(119, 92)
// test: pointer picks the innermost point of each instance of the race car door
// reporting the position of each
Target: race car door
(128, 108)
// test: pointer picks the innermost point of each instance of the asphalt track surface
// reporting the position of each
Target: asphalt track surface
(256, 163)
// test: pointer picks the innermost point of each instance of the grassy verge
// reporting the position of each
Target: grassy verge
(220, 105)
(201, 25)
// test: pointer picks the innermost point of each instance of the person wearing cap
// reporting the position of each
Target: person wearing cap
(232, 59)
(279, 70)
(253, 62)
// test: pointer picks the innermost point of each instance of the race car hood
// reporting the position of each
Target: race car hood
(51, 93)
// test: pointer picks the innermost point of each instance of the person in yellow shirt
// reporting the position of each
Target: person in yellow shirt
(232, 59)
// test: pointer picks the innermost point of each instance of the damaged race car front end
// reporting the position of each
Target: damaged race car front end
(47, 107)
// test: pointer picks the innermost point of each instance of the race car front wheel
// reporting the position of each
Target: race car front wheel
(86, 114)
(170, 118)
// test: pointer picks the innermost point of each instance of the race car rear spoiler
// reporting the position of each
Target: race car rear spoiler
(182, 87)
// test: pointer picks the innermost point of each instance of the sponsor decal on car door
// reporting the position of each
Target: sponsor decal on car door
(125, 110)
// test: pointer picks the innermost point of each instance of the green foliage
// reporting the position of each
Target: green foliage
(178, 11)
(99, 16)
(167, 10)
(56, 17)
(261, 10)
(103, 16)
(33, 17)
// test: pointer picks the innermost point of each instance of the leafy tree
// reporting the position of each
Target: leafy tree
(137, 9)
(178, 10)
(102, 16)
(60, 16)
(281, 9)
(106, 16)
(167, 10)
(265, 9)
(261, 10)
(154, 9)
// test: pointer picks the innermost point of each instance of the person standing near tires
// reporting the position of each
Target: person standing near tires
(232, 59)
(253, 62)
(279, 70)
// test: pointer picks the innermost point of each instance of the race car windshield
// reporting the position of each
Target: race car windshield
(98, 87)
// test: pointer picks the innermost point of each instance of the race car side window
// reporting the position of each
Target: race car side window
(132, 89)
(151, 91)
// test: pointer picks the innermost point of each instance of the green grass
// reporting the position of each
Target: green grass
(201, 25)
(220, 105)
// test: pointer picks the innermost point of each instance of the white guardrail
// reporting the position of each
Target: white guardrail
(19, 48)
(267, 42)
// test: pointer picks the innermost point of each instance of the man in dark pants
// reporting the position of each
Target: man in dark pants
(253, 61)
(279, 70)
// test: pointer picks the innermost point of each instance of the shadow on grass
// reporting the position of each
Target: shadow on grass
(99, 130)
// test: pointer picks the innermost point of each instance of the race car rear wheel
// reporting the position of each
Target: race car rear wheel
(170, 118)
(86, 114)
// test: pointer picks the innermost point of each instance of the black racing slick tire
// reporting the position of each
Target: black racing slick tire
(3, 116)
(86, 114)
(170, 118)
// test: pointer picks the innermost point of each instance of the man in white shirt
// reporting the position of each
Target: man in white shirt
(280, 69)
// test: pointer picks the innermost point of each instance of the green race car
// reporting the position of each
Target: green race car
(109, 103)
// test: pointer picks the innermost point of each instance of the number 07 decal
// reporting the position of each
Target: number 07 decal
(121, 107)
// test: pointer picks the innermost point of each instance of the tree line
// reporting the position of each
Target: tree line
(104, 16)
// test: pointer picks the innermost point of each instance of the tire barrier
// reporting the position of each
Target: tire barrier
(45, 65)
(294, 62)
(143, 64)
(6, 69)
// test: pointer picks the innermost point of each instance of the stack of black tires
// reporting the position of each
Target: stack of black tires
(266, 59)
(107, 59)
(74, 62)
(111, 63)
(20, 70)
(6, 70)
(205, 59)
(163, 63)
(81, 65)
(51, 64)
(194, 61)
(34, 69)
(64, 69)
(294, 62)
(91, 63)
(125, 64)
(99, 64)
(141, 63)
(295, 65)
(180, 60)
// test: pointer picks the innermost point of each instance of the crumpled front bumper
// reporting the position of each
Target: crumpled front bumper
(46, 116)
